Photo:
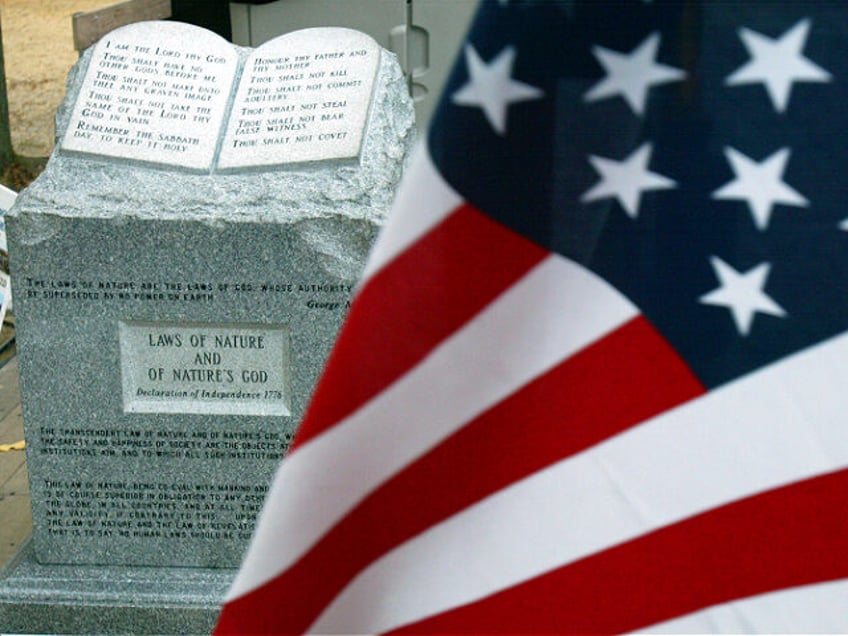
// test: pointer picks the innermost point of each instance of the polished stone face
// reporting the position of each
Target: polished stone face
(173, 312)
(302, 97)
(154, 92)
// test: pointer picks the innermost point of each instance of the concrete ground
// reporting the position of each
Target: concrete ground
(15, 516)
(38, 48)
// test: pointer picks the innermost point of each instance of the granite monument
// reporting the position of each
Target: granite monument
(181, 269)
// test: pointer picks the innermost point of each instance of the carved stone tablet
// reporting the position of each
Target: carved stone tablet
(154, 92)
(303, 97)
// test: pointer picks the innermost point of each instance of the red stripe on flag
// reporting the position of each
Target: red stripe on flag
(787, 537)
(412, 304)
(557, 415)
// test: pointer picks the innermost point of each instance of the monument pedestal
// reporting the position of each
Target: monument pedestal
(81, 599)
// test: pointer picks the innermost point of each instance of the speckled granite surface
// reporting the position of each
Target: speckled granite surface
(73, 599)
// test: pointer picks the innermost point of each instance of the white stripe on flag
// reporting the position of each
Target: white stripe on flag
(557, 309)
(780, 425)
(422, 201)
(811, 609)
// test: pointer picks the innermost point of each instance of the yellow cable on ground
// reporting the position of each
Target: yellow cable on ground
(12, 447)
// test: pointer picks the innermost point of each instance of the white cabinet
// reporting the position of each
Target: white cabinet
(425, 34)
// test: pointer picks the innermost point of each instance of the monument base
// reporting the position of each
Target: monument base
(74, 599)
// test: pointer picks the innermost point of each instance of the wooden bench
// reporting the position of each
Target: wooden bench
(90, 26)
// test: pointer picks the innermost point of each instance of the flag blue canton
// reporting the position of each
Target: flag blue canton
(692, 154)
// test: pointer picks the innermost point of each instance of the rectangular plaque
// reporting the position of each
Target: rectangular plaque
(205, 368)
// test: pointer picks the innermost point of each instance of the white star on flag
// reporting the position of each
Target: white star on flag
(742, 293)
(632, 75)
(760, 184)
(778, 63)
(491, 87)
(626, 180)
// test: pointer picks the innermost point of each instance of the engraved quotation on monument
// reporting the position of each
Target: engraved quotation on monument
(77, 441)
(155, 508)
(303, 96)
(147, 509)
(194, 368)
(146, 98)
(159, 93)
(333, 297)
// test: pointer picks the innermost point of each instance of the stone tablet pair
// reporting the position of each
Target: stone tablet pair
(162, 93)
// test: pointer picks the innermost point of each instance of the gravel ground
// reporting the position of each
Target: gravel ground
(39, 50)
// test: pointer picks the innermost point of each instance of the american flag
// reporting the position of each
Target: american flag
(595, 375)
